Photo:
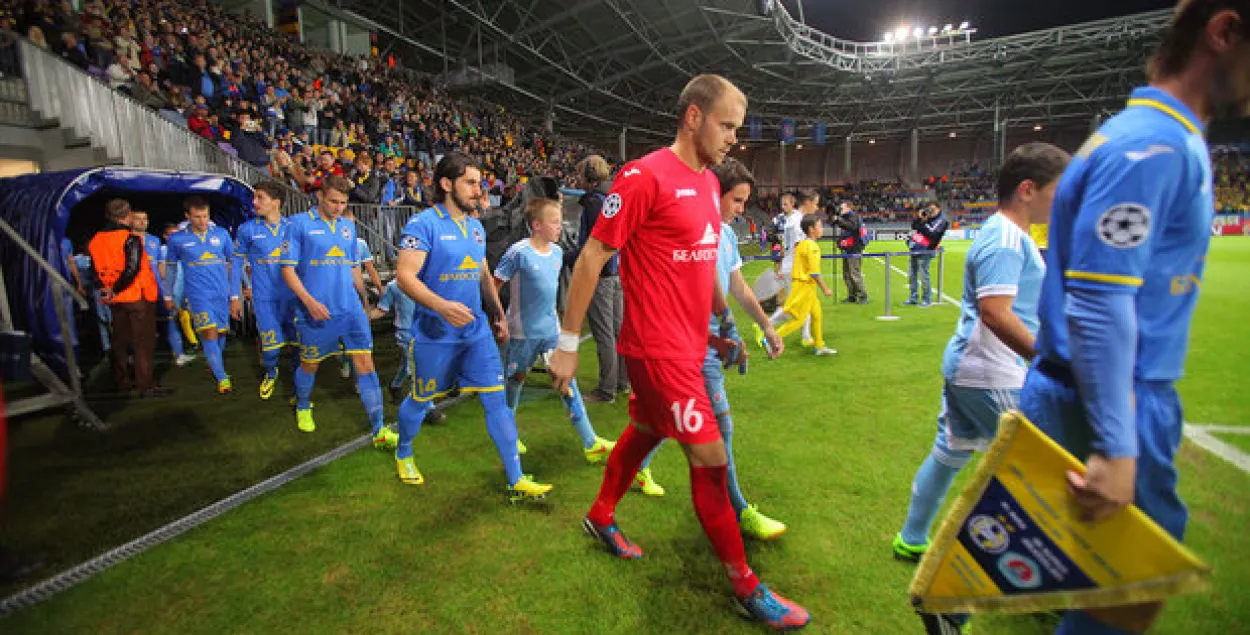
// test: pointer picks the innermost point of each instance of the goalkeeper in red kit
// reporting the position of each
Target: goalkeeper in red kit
(663, 216)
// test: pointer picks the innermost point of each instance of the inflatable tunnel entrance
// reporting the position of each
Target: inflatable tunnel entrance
(47, 208)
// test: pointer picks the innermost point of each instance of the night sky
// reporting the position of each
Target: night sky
(868, 21)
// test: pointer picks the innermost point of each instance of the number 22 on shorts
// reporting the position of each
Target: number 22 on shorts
(687, 419)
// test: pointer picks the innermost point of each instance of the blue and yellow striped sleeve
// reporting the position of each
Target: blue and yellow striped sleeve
(1127, 189)
(291, 244)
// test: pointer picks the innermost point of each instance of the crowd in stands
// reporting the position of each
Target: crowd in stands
(969, 186)
(1232, 182)
(876, 201)
(274, 103)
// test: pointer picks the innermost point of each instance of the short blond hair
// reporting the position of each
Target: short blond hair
(535, 208)
(594, 168)
(704, 91)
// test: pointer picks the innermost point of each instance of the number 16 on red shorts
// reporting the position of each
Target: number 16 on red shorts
(670, 399)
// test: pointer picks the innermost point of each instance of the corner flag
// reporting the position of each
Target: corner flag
(1012, 542)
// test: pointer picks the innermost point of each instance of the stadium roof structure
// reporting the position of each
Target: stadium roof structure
(597, 66)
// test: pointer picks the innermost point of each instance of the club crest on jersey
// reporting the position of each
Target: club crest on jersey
(1124, 226)
(214, 241)
(346, 233)
(709, 236)
(478, 237)
(611, 205)
(286, 246)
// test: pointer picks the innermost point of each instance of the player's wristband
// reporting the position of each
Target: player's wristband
(568, 342)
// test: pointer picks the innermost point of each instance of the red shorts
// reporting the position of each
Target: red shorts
(670, 399)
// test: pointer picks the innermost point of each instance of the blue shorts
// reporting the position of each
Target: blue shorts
(1054, 406)
(714, 381)
(969, 420)
(275, 321)
(473, 365)
(209, 313)
(319, 339)
(521, 355)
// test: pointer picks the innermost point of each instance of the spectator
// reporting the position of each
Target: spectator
(250, 142)
(199, 122)
(126, 282)
(607, 306)
(368, 183)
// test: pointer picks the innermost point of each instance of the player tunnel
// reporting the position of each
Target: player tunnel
(44, 208)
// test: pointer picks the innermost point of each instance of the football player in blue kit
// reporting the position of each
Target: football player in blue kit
(203, 258)
(319, 265)
(1129, 233)
(258, 243)
(442, 266)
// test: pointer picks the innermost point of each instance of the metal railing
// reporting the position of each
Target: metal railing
(125, 129)
(380, 226)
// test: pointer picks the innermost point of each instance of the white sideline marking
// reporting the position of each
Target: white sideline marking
(1201, 435)
(945, 298)
(1223, 429)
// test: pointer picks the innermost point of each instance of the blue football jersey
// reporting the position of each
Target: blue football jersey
(455, 253)
(204, 261)
(728, 260)
(1002, 261)
(260, 244)
(1133, 214)
(152, 245)
(534, 282)
(323, 254)
(363, 254)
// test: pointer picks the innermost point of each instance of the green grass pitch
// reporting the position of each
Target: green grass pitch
(828, 445)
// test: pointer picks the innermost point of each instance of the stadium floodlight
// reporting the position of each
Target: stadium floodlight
(932, 31)
(963, 26)
(1037, 128)
(947, 29)
(742, 147)
(918, 32)
(952, 134)
(900, 33)
(872, 141)
(798, 146)
(889, 36)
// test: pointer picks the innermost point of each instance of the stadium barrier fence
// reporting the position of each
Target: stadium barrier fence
(886, 256)
(124, 128)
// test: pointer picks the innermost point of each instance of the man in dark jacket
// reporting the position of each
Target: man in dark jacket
(368, 183)
(927, 231)
(249, 141)
(852, 238)
(607, 306)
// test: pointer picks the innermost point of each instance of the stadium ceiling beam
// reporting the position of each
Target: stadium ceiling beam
(609, 50)
(646, 39)
(638, 69)
(538, 55)
(523, 31)
(870, 57)
(370, 24)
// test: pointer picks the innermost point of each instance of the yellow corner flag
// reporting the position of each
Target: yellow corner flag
(1012, 542)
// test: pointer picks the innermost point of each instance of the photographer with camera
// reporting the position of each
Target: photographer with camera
(852, 238)
(249, 140)
(927, 231)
